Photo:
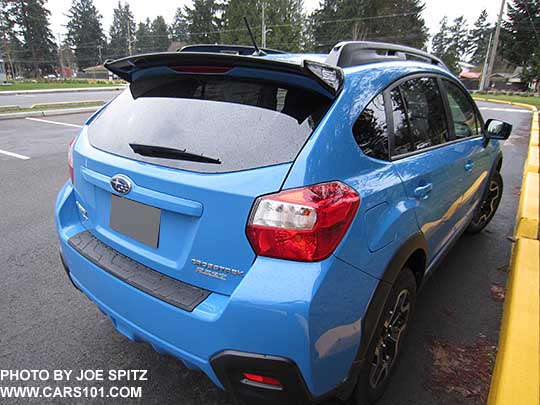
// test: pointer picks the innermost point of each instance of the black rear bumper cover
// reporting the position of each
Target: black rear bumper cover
(230, 364)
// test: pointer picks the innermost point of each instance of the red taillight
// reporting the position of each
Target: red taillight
(262, 379)
(302, 224)
(70, 158)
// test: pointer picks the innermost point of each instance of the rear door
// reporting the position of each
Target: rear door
(196, 148)
(425, 160)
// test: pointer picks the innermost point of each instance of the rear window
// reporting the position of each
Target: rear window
(243, 124)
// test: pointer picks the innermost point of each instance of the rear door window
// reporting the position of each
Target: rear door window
(242, 123)
(425, 113)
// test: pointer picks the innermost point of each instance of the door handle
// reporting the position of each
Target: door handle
(422, 192)
(469, 166)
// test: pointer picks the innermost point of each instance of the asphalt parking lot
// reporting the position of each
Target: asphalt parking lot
(46, 324)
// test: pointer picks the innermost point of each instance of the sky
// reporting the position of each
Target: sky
(435, 10)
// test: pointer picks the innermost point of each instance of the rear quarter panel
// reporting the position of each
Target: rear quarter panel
(385, 218)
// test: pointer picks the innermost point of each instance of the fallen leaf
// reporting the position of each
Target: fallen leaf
(462, 370)
(497, 292)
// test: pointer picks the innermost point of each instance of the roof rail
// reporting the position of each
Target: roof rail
(229, 49)
(355, 53)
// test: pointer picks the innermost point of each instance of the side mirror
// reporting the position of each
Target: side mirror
(496, 129)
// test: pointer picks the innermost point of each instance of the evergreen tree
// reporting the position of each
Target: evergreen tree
(450, 43)
(396, 21)
(531, 72)
(32, 19)
(203, 21)
(440, 41)
(283, 18)
(143, 37)
(84, 33)
(234, 28)
(160, 34)
(479, 39)
(10, 45)
(520, 39)
(179, 27)
(325, 32)
(122, 32)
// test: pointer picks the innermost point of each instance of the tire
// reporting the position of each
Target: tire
(489, 205)
(375, 375)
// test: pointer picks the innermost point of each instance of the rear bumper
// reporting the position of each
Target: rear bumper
(302, 324)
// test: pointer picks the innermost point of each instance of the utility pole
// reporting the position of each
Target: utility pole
(495, 46)
(129, 42)
(60, 56)
(263, 28)
(484, 69)
(7, 51)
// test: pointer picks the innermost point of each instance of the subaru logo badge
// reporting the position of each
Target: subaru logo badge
(121, 184)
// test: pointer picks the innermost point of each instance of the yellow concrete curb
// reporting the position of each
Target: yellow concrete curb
(516, 378)
(527, 225)
(517, 370)
(533, 160)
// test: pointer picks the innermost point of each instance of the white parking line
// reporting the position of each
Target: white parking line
(505, 110)
(16, 155)
(54, 122)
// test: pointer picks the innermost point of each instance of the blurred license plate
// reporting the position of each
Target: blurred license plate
(138, 221)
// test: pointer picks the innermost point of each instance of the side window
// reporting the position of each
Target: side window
(370, 130)
(402, 137)
(465, 121)
(425, 111)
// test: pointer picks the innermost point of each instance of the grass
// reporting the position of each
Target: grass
(52, 106)
(68, 84)
(515, 99)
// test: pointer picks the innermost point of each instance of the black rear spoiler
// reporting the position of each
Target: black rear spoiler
(329, 77)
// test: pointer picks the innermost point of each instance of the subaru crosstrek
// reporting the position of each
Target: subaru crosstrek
(268, 219)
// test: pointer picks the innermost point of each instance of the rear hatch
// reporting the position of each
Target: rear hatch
(196, 139)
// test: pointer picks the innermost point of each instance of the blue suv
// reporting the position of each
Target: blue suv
(269, 218)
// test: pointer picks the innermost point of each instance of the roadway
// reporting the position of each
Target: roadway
(27, 100)
(47, 324)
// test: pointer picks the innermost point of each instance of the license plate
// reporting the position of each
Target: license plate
(138, 221)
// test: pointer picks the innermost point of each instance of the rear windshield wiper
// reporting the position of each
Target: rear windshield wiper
(171, 153)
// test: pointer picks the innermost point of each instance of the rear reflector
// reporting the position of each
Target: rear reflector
(70, 158)
(262, 379)
(302, 224)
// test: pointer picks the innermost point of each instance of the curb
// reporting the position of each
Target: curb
(516, 375)
(492, 100)
(70, 90)
(48, 113)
